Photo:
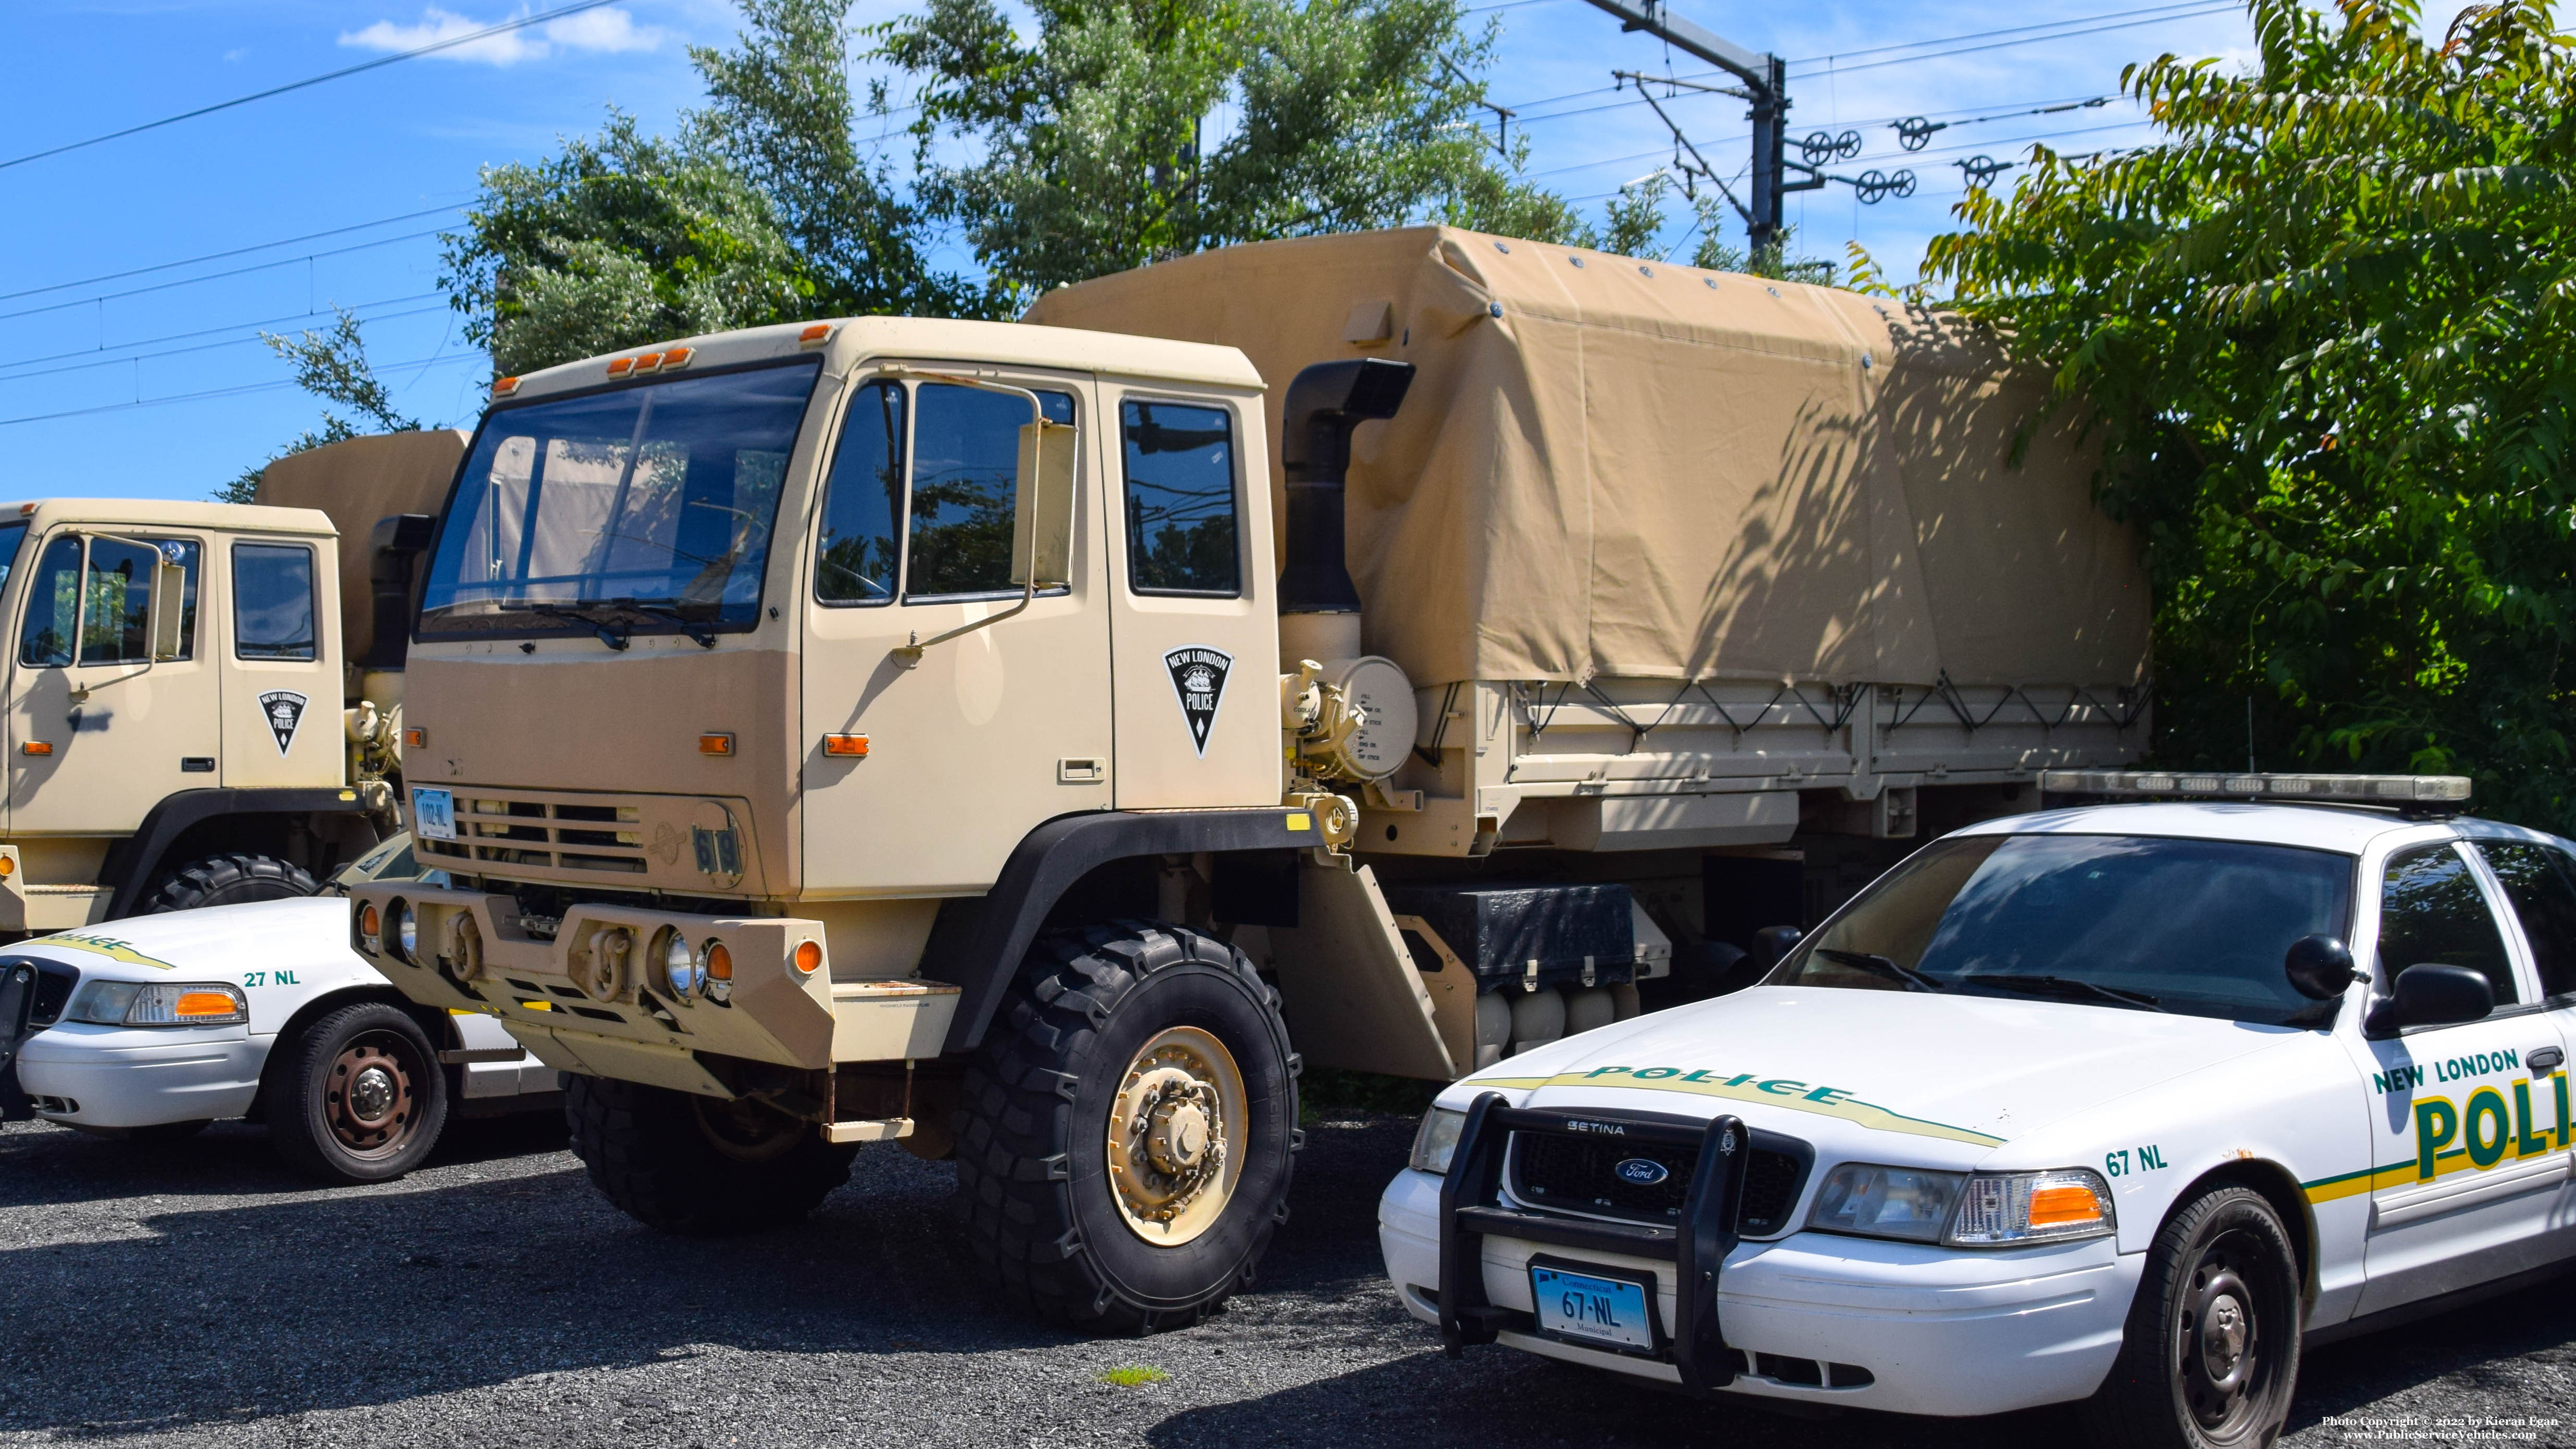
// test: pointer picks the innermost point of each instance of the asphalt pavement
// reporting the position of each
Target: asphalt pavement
(198, 1294)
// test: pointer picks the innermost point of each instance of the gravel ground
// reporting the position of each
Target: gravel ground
(197, 1294)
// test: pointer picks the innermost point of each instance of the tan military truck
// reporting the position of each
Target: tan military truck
(958, 734)
(184, 725)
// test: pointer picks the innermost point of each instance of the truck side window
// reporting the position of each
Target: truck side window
(2538, 880)
(109, 610)
(855, 557)
(273, 609)
(965, 456)
(1180, 500)
(2430, 910)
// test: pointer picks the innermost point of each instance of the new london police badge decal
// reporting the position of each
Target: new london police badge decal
(1198, 680)
(284, 710)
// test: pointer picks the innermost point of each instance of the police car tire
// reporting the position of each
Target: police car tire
(650, 1151)
(229, 880)
(2144, 1403)
(1033, 1188)
(299, 1101)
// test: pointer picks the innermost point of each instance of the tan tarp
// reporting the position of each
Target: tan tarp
(357, 482)
(1608, 467)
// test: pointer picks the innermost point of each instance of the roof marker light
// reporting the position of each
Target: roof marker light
(649, 362)
(815, 336)
(677, 357)
(504, 386)
(621, 367)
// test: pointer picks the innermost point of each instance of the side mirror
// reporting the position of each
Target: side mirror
(169, 601)
(1042, 518)
(1772, 944)
(2432, 995)
(2320, 967)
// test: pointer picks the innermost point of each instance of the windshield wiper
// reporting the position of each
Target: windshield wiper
(2039, 985)
(696, 629)
(1913, 980)
(607, 630)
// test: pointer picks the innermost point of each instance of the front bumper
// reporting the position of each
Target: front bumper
(129, 1077)
(1903, 1327)
(553, 998)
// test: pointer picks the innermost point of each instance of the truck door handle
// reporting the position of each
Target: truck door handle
(2545, 1059)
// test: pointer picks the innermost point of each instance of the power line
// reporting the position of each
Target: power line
(2227, 9)
(219, 256)
(248, 387)
(2152, 10)
(486, 33)
(217, 276)
(7, 376)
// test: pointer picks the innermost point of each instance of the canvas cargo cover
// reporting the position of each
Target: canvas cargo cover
(1624, 468)
(357, 481)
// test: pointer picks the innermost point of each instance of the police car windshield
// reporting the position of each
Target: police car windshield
(2194, 927)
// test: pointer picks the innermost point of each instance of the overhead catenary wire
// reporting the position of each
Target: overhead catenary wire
(452, 42)
(224, 255)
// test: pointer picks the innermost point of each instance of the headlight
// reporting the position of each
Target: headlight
(1886, 1202)
(680, 965)
(156, 1003)
(1996, 1210)
(1437, 1142)
(402, 931)
(2032, 1207)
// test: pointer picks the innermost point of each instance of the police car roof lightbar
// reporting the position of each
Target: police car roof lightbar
(2396, 790)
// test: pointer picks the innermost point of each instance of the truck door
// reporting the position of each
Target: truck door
(2470, 1165)
(1191, 622)
(100, 731)
(921, 777)
(282, 709)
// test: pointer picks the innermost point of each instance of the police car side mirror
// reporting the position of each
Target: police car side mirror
(2320, 967)
(2433, 995)
(1772, 944)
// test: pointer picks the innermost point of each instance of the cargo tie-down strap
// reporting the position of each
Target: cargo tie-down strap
(1471, 1208)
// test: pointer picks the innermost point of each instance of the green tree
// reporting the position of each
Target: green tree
(2322, 329)
(332, 366)
(1091, 147)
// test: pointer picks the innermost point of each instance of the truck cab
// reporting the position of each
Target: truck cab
(173, 730)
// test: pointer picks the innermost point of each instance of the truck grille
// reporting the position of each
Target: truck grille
(1578, 1174)
(695, 845)
(552, 834)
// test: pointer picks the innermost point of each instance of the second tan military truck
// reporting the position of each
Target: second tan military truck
(963, 735)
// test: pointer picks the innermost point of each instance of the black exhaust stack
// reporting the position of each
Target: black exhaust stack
(398, 540)
(1325, 403)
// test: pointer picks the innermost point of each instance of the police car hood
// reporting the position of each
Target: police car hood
(1974, 1072)
(213, 941)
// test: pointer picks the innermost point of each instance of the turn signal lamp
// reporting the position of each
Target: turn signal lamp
(415, 738)
(809, 957)
(38, 748)
(198, 1005)
(848, 747)
(2054, 1207)
(370, 928)
(715, 744)
(8, 866)
(717, 964)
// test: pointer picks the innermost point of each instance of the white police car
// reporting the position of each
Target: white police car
(149, 1028)
(2088, 1105)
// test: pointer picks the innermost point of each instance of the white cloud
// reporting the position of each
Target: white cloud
(610, 30)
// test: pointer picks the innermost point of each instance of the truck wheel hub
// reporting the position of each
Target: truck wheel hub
(1171, 1163)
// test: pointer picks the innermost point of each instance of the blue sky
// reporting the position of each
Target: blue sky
(121, 374)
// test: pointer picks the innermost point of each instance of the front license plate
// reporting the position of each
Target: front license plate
(433, 814)
(1607, 1311)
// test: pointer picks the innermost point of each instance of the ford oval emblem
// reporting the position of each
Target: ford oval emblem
(1641, 1171)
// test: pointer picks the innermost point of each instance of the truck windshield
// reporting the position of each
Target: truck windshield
(2194, 927)
(641, 508)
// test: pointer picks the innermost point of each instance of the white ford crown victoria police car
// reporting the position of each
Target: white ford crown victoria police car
(2090, 1105)
(152, 1027)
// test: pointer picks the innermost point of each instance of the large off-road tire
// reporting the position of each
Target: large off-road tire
(1129, 1128)
(228, 880)
(683, 1163)
(2211, 1352)
(357, 1096)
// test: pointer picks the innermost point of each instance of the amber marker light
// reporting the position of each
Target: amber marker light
(415, 739)
(8, 867)
(815, 336)
(715, 744)
(848, 747)
(649, 362)
(36, 747)
(621, 367)
(809, 957)
(677, 357)
(370, 925)
(203, 1003)
(2060, 1207)
(504, 386)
